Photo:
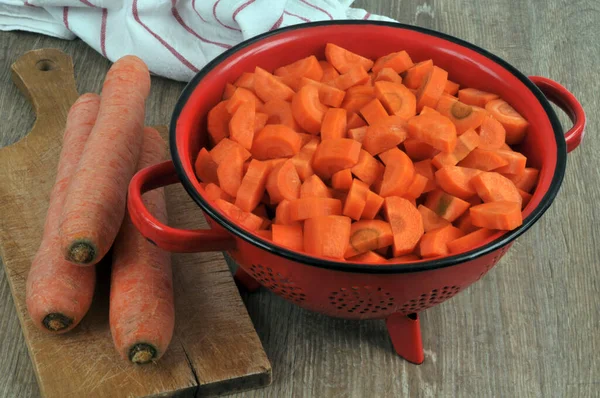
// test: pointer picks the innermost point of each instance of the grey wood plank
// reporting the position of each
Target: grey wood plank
(529, 328)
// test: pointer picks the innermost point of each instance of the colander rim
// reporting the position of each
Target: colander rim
(399, 268)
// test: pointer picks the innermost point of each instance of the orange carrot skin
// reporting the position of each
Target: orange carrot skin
(497, 215)
(95, 203)
(470, 241)
(406, 222)
(142, 313)
(58, 295)
(318, 229)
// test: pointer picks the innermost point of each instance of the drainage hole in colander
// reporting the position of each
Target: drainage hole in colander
(340, 299)
(302, 295)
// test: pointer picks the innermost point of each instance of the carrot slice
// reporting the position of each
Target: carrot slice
(407, 258)
(472, 96)
(213, 192)
(327, 236)
(525, 197)
(342, 180)
(334, 124)
(367, 235)
(398, 62)
(464, 117)
(369, 257)
(457, 180)
(268, 87)
(445, 205)
(329, 72)
(426, 169)
(246, 80)
(289, 236)
(483, 160)
(356, 200)
(497, 215)
(435, 243)
(243, 218)
(280, 112)
(451, 87)
(240, 96)
(334, 155)
(416, 187)
(260, 120)
(494, 187)
(399, 173)
(464, 145)
(388, 75)
(358, 134)
(516, 162)
(283, 182)
(373, 112)
(228, 91)
(225, 148)
(432, 88)
(396, 98)
(306, 67)
(328, 95)
(343, 60)
(464, 222)
(358, 96)
(307, 109)
(263, 233)
(305, 208)
(314, 187)
(388, 133)
(416, 75)
(470, 241)
(241, 125)
(431, 220)
(354, 121)
(491, 133)
(435, 130)
(230, 173)
(206, 167)
(275, 141)
(355, 76)
(406, 222)
(218, 122)
(372, 206)
(526, 180)
(283, 215)
(303, 159)
(417, 150)
(253, 185)
(514, 124)
(368, 169)
(305, 138)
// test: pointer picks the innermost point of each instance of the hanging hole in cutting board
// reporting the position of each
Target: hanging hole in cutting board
(45, 65)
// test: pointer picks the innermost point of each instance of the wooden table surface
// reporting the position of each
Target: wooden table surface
(531, 327)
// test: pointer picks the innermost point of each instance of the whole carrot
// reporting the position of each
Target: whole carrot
(95, 202)
(58, 294)
(141, 288)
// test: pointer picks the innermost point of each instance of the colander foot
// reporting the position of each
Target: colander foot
(243, 279)
(405, 333)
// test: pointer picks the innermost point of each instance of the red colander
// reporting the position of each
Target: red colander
(394, 292)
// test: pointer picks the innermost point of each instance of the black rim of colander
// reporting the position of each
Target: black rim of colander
(360, 267)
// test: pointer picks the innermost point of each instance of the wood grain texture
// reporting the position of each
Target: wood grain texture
(529, 328)
(201, 357)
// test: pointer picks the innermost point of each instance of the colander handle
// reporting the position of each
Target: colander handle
(165, 237)
(565, 100)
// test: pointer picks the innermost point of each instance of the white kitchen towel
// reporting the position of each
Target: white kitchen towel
(176, 38)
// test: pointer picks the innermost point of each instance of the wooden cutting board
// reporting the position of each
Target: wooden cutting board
(215, 349)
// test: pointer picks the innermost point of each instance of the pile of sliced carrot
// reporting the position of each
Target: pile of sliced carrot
(373, 161)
